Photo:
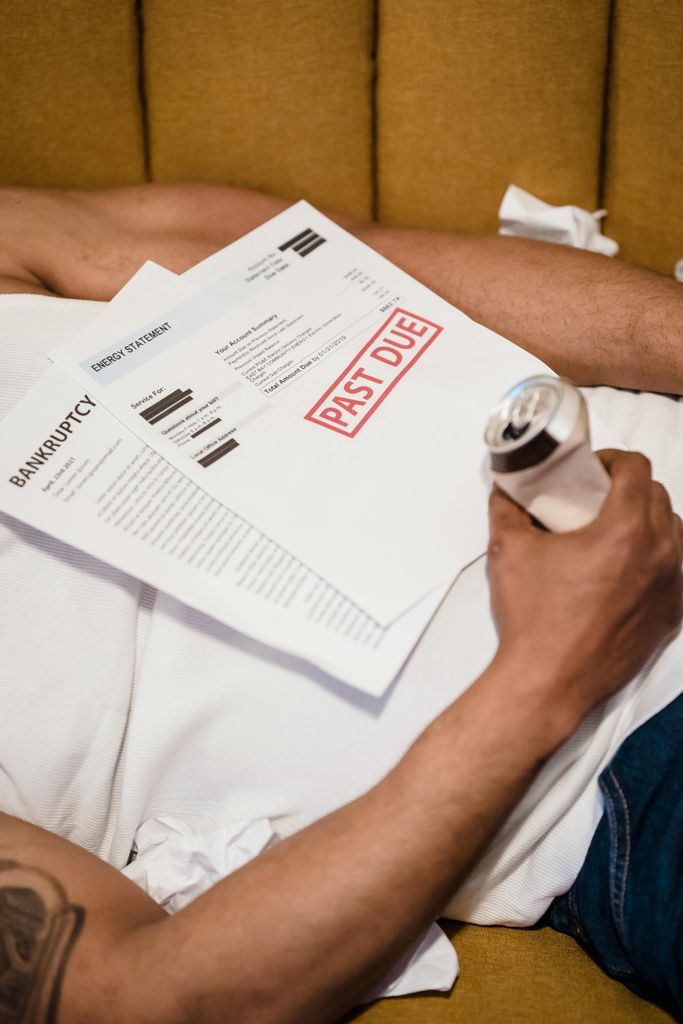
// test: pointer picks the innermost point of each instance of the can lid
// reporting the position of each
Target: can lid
(529, 422)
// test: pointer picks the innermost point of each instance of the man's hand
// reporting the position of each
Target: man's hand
(596, 603)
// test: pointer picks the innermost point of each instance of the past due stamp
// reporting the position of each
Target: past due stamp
(360, 389)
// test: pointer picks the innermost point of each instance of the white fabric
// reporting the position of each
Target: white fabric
(69, 630)
(524, 215)
(208, 729)
(431, 965)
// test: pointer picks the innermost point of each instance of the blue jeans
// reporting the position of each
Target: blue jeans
(626, 906)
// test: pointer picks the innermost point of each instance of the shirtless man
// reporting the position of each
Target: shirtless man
(286, 938)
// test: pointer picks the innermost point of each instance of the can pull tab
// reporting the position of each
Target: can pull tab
(512, 432)
(521, 414)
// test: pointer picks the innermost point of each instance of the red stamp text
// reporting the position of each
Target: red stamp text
(362, 387)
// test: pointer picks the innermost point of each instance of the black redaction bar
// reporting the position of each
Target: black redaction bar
(151, 411)
(218, 453)
(206, 427)
(314, 243)
(187, 397)
(297, 238)
(305, 241)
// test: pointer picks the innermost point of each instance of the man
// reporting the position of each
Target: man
(287, 938)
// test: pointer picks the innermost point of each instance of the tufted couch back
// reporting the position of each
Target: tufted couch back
(417, 111)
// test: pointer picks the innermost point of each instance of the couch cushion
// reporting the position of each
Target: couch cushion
(475, 94)
(520, 977)
(267, 95)
(644, 155)
(71, 114)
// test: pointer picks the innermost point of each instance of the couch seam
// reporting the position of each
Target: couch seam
(374, 172)
(605, 121)
(141, 85)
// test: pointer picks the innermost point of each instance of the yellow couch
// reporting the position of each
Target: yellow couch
(415, 111)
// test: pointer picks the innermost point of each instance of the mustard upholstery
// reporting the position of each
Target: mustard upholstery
(475, 94)
(463, 97)
(519, 977)
(271, 95)
(644, 140)
(70, 111)
(578, 102)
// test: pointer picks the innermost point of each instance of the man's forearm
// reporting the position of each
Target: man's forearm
(590, 318)
(305, 930)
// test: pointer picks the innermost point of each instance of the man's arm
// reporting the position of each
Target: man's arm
(590, 318)
(86, 245)
(596, 320)
(304, 930)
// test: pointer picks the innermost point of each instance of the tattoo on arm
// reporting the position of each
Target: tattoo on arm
(38, 929)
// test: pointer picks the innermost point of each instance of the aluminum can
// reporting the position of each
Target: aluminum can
(538, 438)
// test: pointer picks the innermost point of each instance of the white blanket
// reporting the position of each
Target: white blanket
(212, 731)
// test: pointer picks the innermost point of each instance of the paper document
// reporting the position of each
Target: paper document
(318, 391)
(71, 469)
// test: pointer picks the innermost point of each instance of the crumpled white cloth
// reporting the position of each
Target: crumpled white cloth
(524, 215)
(430, 966)
(175, 866)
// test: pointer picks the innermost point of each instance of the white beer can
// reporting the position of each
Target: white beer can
(540, 453)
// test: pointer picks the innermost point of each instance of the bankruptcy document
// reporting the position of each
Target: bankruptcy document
(330, 400)
(71, 469)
